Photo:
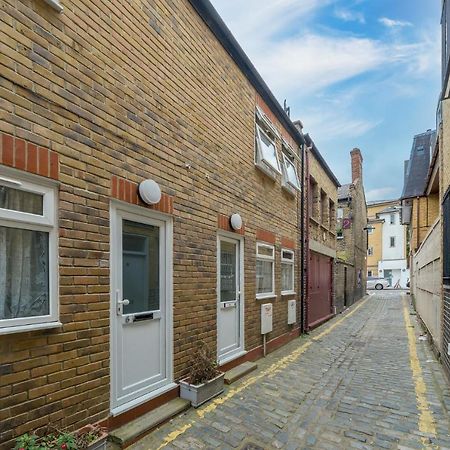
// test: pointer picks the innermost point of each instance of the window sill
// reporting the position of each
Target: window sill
(32, 327)
(287, 293)
(265, 296)
(340, 237)
(313, 219)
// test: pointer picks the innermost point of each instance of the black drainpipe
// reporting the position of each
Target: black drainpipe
(302, 244)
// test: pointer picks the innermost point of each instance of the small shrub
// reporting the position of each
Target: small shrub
(203, 367)
(59, 440)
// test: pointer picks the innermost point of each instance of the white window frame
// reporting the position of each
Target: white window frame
(262, 117)
(262, 163)
(286, 182)
(292, 263)
(340, 213)
(264, 295)
(47, 222)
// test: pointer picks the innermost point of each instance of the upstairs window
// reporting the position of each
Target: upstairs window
(420, 149)
(323, 208)
(287, 271)
(340, 213)
(370, 251)
(313, 194)
(266, 157)
(392, 241)
(265, 273)
(392, 219)
(290, 179)
(332, 214)
(28, 255)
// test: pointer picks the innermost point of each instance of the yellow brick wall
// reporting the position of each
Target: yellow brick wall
(323, 231)
(425, 211)
(138, 91)
(375, 238)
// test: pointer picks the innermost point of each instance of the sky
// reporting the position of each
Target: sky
(357, 73)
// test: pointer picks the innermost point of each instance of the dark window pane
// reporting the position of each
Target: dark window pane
(24, 273)
(140, 260)
(22, 201)
(228, 270)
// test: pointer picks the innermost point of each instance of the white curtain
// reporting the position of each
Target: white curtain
(24, 271)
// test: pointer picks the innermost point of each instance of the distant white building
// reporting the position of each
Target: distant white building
(388, 244)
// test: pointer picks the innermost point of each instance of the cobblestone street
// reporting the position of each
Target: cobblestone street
(363, 380)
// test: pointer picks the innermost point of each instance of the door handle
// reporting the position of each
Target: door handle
(121, 304)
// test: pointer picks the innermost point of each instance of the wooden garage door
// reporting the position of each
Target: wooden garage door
(320, 289)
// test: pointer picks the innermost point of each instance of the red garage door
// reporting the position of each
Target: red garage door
(320, 289)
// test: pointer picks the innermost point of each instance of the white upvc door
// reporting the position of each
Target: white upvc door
(230, 298)
(141, 317)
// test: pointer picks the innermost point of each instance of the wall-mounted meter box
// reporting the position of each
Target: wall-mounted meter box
(292, 310)
(266, 318)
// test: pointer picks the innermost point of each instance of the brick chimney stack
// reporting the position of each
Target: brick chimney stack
(357, 161)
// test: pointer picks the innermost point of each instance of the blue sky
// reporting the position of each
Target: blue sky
(358, 73)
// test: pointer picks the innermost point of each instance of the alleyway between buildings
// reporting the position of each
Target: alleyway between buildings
(364, 380)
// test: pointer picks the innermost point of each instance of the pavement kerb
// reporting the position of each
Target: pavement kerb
(270, 371)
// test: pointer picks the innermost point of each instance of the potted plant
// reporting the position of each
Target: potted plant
(90, 437)
(205, 381)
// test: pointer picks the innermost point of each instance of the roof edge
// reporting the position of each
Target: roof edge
(212, 19)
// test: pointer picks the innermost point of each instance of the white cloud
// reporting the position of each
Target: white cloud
(311, 62)
(254, 21)
(391, 23)
(349, 16)
(383, 193)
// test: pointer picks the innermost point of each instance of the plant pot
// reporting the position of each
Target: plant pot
(201, 393)
(100, 442)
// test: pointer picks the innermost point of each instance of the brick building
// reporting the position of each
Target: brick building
(96, 100)
(386, 248)
(421, 216)
(320, 244)
(351, 264)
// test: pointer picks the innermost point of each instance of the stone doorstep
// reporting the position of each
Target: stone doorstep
(238, 372)
(130, 432)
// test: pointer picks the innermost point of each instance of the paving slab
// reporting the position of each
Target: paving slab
(351, 383)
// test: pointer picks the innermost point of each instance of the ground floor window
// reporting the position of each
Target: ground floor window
(28, 253)
(287, 271)
(265, 274)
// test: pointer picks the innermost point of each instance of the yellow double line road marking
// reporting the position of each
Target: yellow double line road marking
(426, 421)
(272, 370)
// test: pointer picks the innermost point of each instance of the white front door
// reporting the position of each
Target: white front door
(140, 316)
(230, 327)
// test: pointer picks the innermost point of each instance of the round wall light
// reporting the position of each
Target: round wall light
(236, 222)
(150, 192)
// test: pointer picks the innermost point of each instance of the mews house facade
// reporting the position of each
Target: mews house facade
(126, 149)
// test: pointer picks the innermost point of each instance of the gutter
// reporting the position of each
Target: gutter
(209, 15)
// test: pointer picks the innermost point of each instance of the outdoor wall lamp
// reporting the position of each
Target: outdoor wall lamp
(55, 5)
(150, 192)
(236, 222)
